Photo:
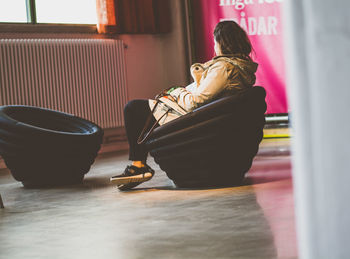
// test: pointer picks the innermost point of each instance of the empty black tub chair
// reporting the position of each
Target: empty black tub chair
(215, 144)
(43, 147)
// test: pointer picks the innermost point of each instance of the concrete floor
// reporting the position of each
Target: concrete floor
(155, 220)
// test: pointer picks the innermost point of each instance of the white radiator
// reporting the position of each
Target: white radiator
(84, 77)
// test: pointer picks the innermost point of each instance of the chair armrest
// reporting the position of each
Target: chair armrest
(228, 104)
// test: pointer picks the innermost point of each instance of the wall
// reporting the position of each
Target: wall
(318, 54)
(155, 62)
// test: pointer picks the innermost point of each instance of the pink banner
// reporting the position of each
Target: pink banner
(262, 21)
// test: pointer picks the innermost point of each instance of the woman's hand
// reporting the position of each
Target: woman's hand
(167, 91)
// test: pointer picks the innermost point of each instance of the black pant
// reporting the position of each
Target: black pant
(136, 113)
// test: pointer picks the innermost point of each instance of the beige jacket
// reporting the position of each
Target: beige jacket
(221, 76)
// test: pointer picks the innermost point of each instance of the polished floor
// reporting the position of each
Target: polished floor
(155, 220)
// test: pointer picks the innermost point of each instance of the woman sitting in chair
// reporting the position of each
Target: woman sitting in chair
(229, 72)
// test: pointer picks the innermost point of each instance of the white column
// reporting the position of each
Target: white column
(318, 65)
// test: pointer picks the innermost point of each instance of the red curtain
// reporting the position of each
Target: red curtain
(106, 16)
(133, 16)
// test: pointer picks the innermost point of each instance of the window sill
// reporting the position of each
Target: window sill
(47, 28)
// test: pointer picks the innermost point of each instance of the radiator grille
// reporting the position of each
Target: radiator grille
(84, 77)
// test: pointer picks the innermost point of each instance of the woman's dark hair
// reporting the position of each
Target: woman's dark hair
(232, 38)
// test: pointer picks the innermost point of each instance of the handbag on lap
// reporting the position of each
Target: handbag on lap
(170, 103)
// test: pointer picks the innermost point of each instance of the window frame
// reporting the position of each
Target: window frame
(33, 27)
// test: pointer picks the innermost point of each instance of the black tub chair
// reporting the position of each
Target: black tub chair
(214, 145)
(44, 147)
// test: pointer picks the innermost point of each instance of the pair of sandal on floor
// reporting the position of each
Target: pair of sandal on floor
(132, 177)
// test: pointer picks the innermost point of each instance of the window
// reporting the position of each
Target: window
(48, 11)
(13, 11)
(66, 11)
